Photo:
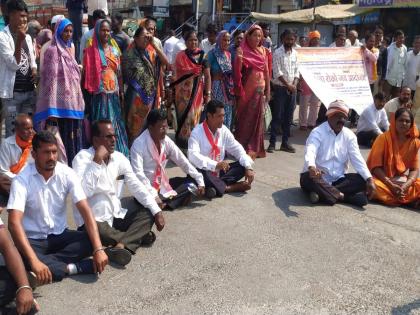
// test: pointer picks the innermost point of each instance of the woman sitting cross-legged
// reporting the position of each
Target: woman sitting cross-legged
(394, 162)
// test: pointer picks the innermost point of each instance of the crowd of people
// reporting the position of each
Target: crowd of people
(86, 117)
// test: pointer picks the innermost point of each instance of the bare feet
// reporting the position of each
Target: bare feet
(238, 187)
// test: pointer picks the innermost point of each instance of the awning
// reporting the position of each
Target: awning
(327, 12)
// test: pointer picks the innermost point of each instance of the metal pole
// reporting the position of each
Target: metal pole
(213, 11)
(197, 5)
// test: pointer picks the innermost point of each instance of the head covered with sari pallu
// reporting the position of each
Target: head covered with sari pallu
(94, 59)
(255, 58)
(392, 161)
(60, 94)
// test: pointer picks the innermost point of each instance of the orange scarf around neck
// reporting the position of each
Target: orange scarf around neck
(26, 147)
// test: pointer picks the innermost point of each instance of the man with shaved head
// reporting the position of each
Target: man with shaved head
(15, 153)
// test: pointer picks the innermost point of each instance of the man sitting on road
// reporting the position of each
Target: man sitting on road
(372, 122)
(13, 280)
(15, 153)
(207, 146)
(38, 220)
(149, 155)
(122, 227)
(328, 150)
(404, 100)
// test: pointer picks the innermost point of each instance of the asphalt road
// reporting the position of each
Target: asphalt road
(264, 252)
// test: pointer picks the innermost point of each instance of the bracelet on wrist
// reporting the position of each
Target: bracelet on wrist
(98, 250)
(23, 287)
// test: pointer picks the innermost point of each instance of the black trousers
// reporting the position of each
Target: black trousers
(7, 287)
(57, 251)
(130, 230)
(179, 184)
(232, 176)
(350, 184)
(366, 138)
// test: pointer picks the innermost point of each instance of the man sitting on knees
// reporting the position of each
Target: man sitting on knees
(149, 155)
(38, 219)
(122, 227)
(328, 150)
(372, 122)
(15, 154)
(208, 143)
(13, 280)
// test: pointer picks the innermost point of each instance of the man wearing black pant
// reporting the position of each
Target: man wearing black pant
(285, 79)
(329, 149)
(207, 146)
(38, 219)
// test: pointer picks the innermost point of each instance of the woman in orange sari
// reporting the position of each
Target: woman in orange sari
(191, 91)
(394, 162)
(252, 89)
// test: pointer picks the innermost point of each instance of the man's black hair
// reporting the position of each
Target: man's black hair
(154, 116)
(43, 136)
(98, 14)
(95, 131)
(16, 5)
(213, 105)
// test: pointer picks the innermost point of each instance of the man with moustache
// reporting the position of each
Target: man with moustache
(404, 100)
(38, 219)
(124, 225)
(329, 149)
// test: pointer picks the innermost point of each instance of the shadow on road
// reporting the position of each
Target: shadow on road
(407, 308)
(290, 197)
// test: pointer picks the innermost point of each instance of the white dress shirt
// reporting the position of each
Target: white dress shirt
(285, 64)
(44, 202)
(179, 46)
(97, 5)
(144, 165)
(332, 153)
(346, 45)
(396, 63)
(8, 65)
(206, 45)
(10, 154)
(412, 70)
(373, 119)
(392, 106)
(199, 149)
(101, 183)
(168, 48)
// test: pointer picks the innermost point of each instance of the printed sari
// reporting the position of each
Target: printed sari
(142, 73)
(250, 73)
(60, 98)
(396, 159)
(188, 93)
(103, 80)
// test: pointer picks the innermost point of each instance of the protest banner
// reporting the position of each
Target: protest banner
(336, 74)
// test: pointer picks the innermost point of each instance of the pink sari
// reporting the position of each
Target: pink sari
(249, 78)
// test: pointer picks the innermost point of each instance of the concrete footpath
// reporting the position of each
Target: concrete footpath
(265, 252)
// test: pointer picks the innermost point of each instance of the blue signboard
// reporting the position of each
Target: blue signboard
(375, 3)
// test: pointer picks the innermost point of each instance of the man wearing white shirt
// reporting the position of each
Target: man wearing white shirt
(207, 146)
(38, 220)
(102, 169)
(412, 72)
(149, 155)
(340, 41)
(169, 46)
(353, 40)
(209, 43)
(150, 25)
(18, 69)
(372, 122)
(15, 154)
(403, 100)
(285, 80)
(329, 149)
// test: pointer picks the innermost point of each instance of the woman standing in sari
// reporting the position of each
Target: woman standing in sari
(142, 68)
(394, 162)
(221, 75)
(60, 100)
(102, 79)
(252, 89)
(191, 91)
